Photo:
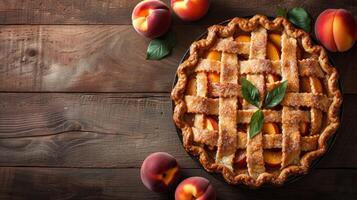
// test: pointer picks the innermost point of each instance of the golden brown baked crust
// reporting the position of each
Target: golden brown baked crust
(331, 107)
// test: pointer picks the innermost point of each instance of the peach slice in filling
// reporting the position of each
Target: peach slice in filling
(214, 55)
(273, 52)
(213, 77)
(270, 128)
(240, 159)
(275, 38)
(271, 78)
(191, 87)
(304, 128)
(211, 124)
(272, 158)
(243, 38)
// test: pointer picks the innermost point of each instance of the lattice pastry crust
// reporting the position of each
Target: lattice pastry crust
(219, 149)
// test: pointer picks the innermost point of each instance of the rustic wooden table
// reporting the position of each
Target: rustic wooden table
(80, 107)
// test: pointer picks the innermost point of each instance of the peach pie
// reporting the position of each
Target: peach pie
(256, 100)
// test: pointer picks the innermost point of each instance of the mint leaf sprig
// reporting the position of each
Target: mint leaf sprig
(251, 94)
(297, 16)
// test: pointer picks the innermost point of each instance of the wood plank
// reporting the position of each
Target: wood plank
(112, 130)
(66, 11)
(96, 59)
(119, 12)
(61, 183)
(86, 130)
(85, 58)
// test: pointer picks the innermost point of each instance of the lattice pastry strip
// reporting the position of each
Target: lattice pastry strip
(227, 139)
(316, 114)
(210, 106)
(201, 83)
(210, 138)
(290, 129)
(255, 160)
(306, 67)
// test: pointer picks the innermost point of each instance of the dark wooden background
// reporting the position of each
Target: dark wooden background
(80, 107)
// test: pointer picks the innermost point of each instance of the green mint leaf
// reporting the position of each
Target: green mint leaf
(256, 123)
(281, 12)
(161, 47)
(250, 92)
(275, 96)
(300, 18)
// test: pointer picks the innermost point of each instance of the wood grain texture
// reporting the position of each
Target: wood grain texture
(112, 130)
(119, 12)
(84, 58)
(62, 183)
(101, 58)
(86, 130)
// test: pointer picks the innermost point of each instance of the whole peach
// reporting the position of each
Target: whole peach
(151, 18)
(336, 29)
(195, 188)
(160, 172)
(190, 10)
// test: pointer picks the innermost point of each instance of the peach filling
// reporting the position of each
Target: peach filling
(214, 55)
(191, 87)
(240, 159)
(270, 128)
(212, 76)
(304, 128)
(275, 39)
(211, 124)
(243, 38)
(273, 46)
(273, 52)
(271, 78)
(272, 158)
